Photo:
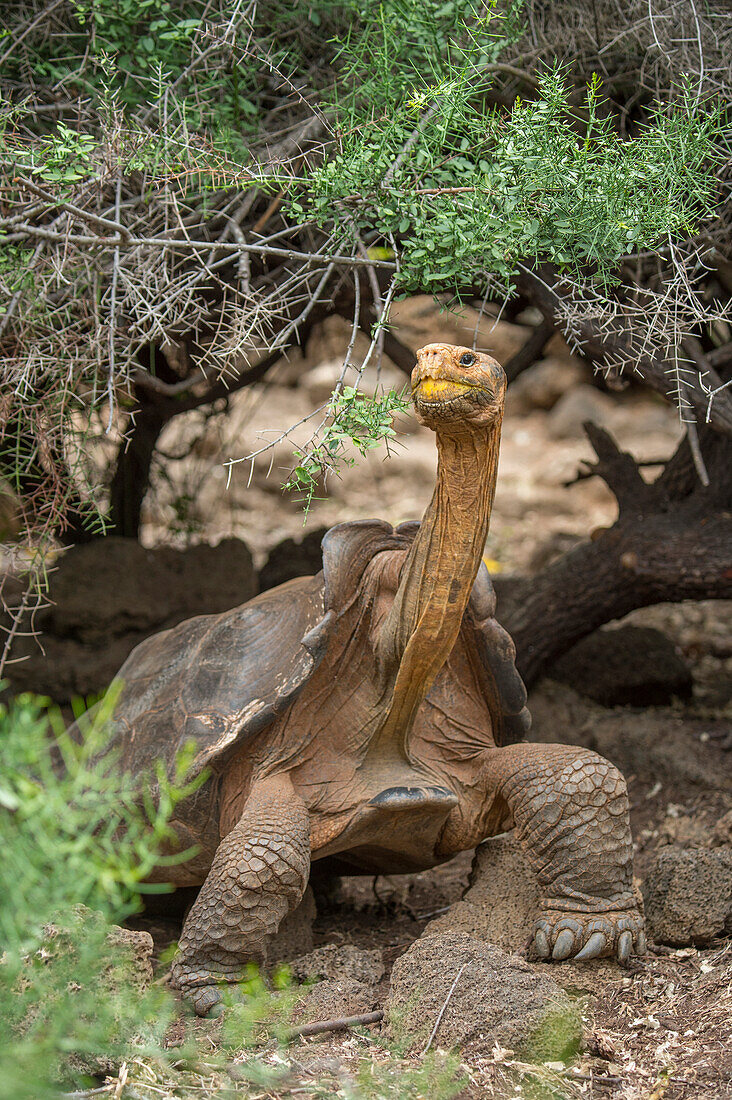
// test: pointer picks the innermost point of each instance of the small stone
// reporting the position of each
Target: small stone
(688, 895)
(625, 666)
(722, 832)
(497, 998)
(332, 962)
(136, 948)
(329, 1000)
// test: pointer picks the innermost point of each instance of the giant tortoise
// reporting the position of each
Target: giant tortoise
(372, 715)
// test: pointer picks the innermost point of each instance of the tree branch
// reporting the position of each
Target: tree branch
(618, 470)
(530, 352)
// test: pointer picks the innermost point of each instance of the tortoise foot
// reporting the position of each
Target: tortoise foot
(212, 1001)
(560, 935)
(206, 1000)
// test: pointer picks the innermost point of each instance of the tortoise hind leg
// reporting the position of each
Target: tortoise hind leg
(258, 876)
(569, 807)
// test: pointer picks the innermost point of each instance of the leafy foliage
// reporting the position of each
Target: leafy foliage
(483, 192)
(72, 827)
(353, 418)
(77, 846)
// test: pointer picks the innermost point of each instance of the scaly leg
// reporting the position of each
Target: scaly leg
(570, 810)
(258, 875)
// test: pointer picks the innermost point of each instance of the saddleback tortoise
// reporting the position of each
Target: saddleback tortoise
(372, 715)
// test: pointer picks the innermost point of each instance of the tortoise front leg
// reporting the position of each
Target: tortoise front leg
(570, 810)
(258, 876)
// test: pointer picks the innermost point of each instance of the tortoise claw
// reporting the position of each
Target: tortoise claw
(625, 946)
(564, 945)
(615, 933)
(541, 944)
(593, 948)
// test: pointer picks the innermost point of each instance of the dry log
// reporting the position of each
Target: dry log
(672, 541)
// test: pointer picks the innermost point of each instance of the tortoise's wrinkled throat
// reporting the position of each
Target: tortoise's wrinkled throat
(436, 580)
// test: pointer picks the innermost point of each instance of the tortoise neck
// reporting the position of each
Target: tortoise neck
(437, 577)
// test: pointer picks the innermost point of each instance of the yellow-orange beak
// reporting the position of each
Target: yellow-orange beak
(440, 389)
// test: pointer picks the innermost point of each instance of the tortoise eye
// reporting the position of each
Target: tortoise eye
(467, 360)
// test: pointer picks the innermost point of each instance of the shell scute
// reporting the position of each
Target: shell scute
(218, 680)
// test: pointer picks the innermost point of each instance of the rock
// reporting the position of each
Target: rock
(105, 970)
(542, 385)
(566, 419)
(497, 998)
(330, 1000)
(108, 595)
(346, 980)
(684, 831)
(335, 962)
(294, 936)
(135, 952)
(625, 666)
(293, 559)
(502, 899)
(722, 832)
(688, 895)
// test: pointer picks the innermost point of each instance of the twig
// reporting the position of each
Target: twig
(243, 268)
(693, 437)
(410, 143)
(86, 215)
(441, 1013)
(354, 331)
(18, 38)
(17, 619)
(197, 246)
(342, 1023)
(113, 311)
(271, 209)
(88, 1092)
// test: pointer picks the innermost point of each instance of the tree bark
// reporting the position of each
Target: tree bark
(132, 472)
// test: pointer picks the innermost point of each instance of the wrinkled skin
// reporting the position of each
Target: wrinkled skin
(394, 751)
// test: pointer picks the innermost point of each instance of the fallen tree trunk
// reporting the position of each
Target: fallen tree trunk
(672, 541)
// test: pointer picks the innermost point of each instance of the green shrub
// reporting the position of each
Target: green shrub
(76, 847)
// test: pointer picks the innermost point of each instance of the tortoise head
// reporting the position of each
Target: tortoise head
(456, 389)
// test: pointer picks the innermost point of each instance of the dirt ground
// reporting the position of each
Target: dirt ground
(662, 1026)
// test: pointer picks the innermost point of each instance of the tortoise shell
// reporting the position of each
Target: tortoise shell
(218, 680)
